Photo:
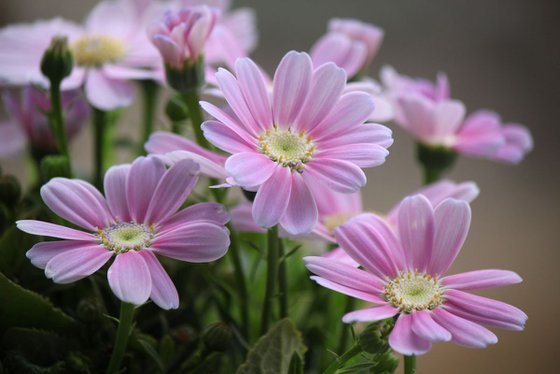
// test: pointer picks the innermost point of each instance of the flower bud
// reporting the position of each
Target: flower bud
(54, 166)
(188, 78)
(10, 190)
(374, 338)
(176, 110)
(217, 337)
(57, 61)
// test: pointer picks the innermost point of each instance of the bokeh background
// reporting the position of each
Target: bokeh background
(499, 54)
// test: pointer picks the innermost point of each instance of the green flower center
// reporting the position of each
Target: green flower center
(414, 291)
(97, 50)
(287, 148)
(123, 237)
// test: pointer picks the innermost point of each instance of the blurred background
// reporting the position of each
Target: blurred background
(501, 55)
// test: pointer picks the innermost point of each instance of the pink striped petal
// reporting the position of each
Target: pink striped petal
(364, 133)
(272, 198)
(172, 191)
(193, 242)
(301, 214)
(242, 218)
(106, 93)
(291, 84)
(403, 340)
(143, 178)
(115, 191)
(340, 255)
(370, 314)
(207, 167)
(72, 265)
(227, 118)
(339, 175)
(254, 91)
(52, 230)
(41, 253)
(250, 168)
(76, 201)
(129, 278)
(365, 155)
(464, 332)
(416, 231)
(348, 291)
(452, 222)
(481, 279)
(225, 138)
(448, 117)
(426, 328)
(165, 142)
(164, 293)
(335, 47)
(201, 212)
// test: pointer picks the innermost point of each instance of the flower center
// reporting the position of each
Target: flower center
(287, 148)
(96, 50)
(414, 291)
(123, 237)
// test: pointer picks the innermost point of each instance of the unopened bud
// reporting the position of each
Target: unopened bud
(217, 337)
(176, 110)
(54, 166)
(188, 78)
(10, 190)
(57, 61)
(374, 338)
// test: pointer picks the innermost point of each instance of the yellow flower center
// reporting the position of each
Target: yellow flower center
(96, 50)
(123, 237)
(414, 291)
(287, 148)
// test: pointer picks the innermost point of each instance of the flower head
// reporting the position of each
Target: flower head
(404, 274)
(306, 131)
(135, 221)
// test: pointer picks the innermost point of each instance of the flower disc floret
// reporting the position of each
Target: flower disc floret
(123, 237)
(287, 148)
(97, 50)
(412, 291)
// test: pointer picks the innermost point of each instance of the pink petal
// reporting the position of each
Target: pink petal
(172, 191)
(129, 278)
(417, 112)
(426, 328)
(464, 332)
(481, 279)
(207, 167)
(105, 93)
(12, 139)
(292, 80)
(202, 212)
(164, 142)
(339, 175)
(111, 18)
(225, 138)
(164, 293)
(448, 117)
(335, 47)
(340, 255)
(416, 231)
(242, 218)
(370, 314)
(72, 265)
(348, 291)
(52, 230)
(228, 119)
(76, 201)
(301, 213)
(364, 133)
(250, 168)
(452, 222)
(193, 242)
(272, 198)
(119, 72)
(41, 253)
(365, 155)
(403, 340)
(143, 178)
(353, 109)
(254, 91)
(115, 191)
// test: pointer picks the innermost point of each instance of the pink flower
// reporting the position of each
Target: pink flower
(136, 221)
(109, 50)
(28, 123)
(405, 277)
(306, 131)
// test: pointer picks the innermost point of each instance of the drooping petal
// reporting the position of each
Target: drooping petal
(164, 293)
(301, 214)
(106, 93)
(370, 314)
(41, 253)
(348, 290)
(129, 278)
(426, 328)
(272, 198)
(481, 279)
(403, 340)
(143, 178)
(339, 175)
(250, 168)
(462, 331)
(51, 230)
(72, 265)
(115, 191)
(416, 231)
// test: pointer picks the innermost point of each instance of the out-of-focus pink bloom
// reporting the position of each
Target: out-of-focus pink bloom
(383, 107)
(518, 142)
(111, 49)
(28, 123)
(135, 221)
(404, 275)
(306, 132)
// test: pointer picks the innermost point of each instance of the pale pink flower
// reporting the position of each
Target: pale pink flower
(27, 122)
(135, 221)
(404, 275)
(111, 49)
(305, 132)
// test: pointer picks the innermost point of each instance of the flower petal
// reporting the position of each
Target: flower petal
(301, 214)
(202, 212)
(164, 142)
(426, 328)
(164, 293)
(105, 93)
(403, 340)
(481, 279)
(339, 175)
(464, 332)
(226, 138)
(115, 191)
(370, 314)
(353, 109)
(51, 230)
(41, 253)
(129, 278)
(272, 198)
(143, 178)
(250, 168)
(365, 155)
(250, 80)
(72, 265)
(348, 291)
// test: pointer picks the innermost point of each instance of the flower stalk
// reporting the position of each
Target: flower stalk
(150, 91)
(191, 99)
(101, 144)
(346, 356)
(241, 282)
(121, 340)
(271, 278)
(409, 364)
(282, 280)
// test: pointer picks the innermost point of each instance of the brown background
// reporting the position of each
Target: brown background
(499, 54)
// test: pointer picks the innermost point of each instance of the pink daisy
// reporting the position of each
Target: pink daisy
(404, 275)
(306, 131)
(136, 221)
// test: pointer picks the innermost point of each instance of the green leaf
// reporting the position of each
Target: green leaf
(24, 308)
(274, 351)
(11, 254)
(41, 347)
(296, 364)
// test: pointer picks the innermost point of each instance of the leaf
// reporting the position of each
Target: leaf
(273, 352)
(296, 364)
(40, 347)
(11, 255)
(24, 308)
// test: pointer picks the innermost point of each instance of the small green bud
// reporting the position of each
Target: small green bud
(187, 79)
(374, 338)
(57, 61)
(387, 363)
(10, 190)
(54, 166)
(217, 337)
(437, 158)
(176, 110)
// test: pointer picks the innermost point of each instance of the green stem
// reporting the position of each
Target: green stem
(410, 364)
(241, 283)
(150, 94)
(121, 340)
(350, 303)
(431, 175)
(57, 122)
(191, 100)
(339, 362)
(282, 280)
(271, 278)
(101, 137)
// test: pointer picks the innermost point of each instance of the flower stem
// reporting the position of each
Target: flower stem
(435, 161)
(337, 364)
(349, 305)
(241, 283)
(101, 138)
(121, 340)
(282, 281)
(410, 364)
(57, 122)
(271, 278)
(191, 100)
(150, 91)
